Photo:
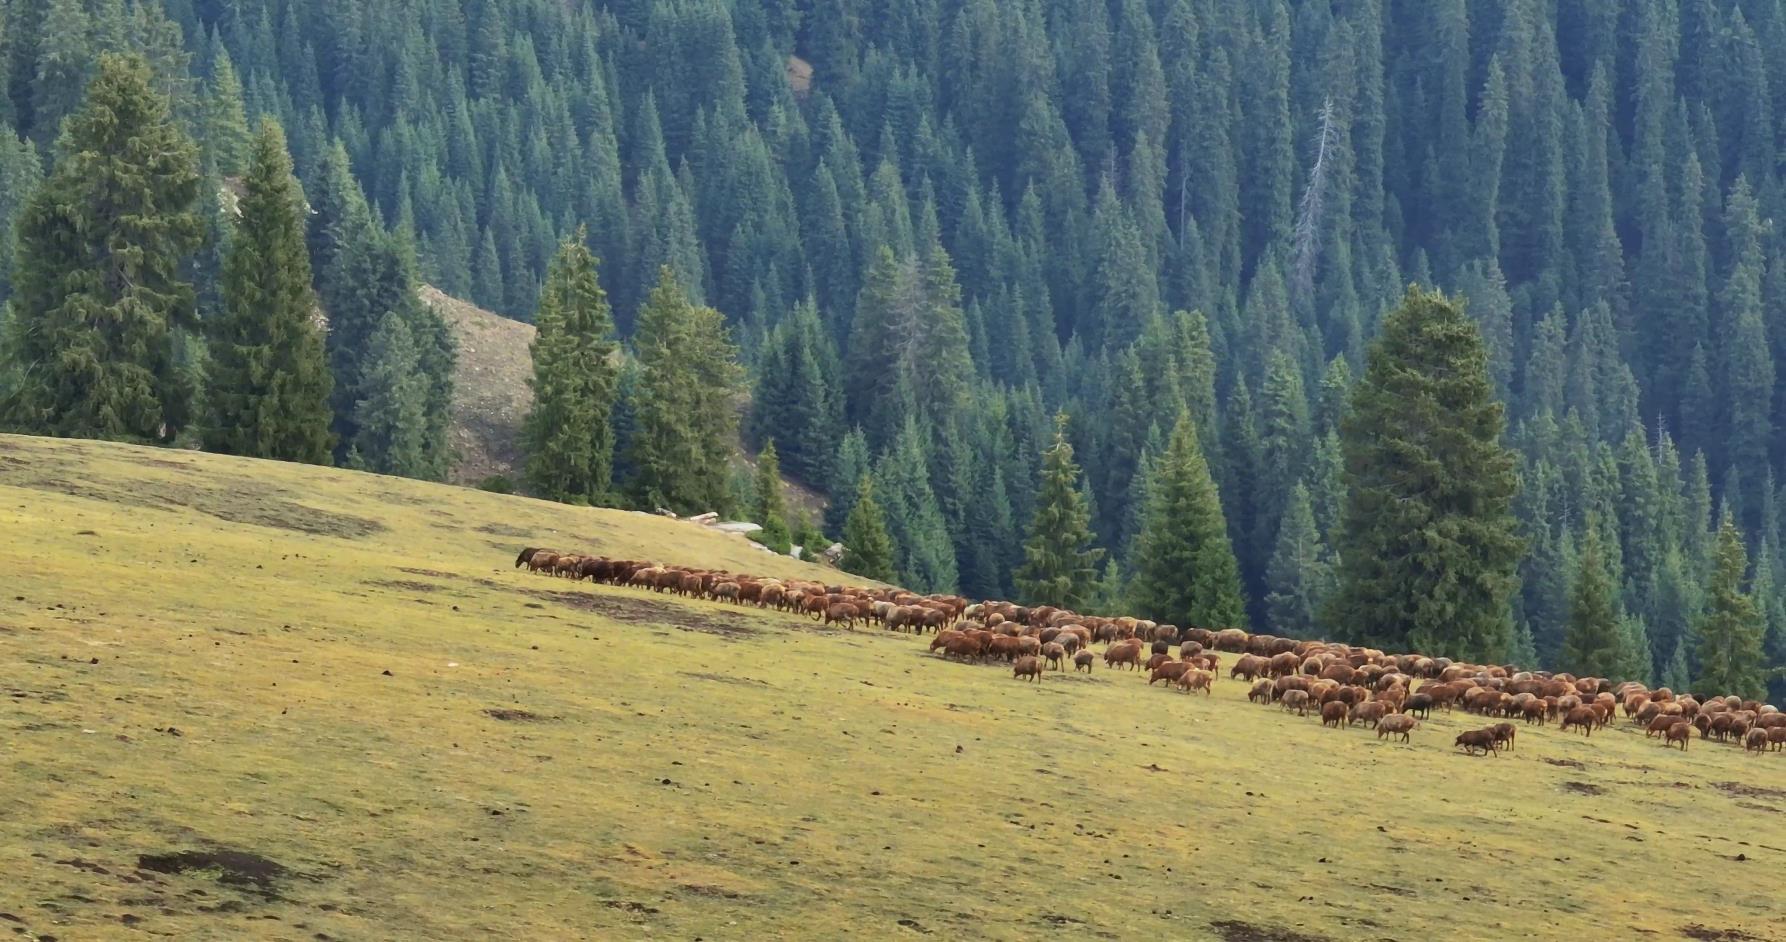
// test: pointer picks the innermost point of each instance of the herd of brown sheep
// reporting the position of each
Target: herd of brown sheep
(1343, 684)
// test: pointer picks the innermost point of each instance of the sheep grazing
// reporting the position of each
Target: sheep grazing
(1398, 724)
(1028, 667)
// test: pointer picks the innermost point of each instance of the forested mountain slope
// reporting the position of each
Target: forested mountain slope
(971, 215)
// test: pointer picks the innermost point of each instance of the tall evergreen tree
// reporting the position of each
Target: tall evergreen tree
(1185, 570)
(1301, 574)
(1427, 546)
(390, 416)
(576, 373)
(867, 549)
(1060, 564)
(768, 507)
(268, 381)
(687, 418)
(1592, 643)
(99, 280)
(1728, 637)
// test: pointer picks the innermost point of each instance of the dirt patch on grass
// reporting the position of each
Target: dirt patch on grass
(515, 716)
(1583, 788)
(242, 502)
(644, 611)
(1750, 791)
(407, 585)
(236, 868)
(1233, 930)
(1567, 763)
(502, 529)
(1708, 934)
(727, 679)
(434, 573)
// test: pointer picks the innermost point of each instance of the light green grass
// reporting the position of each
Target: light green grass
(699, 771)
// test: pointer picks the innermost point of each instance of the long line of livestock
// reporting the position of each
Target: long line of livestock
(1343, 684)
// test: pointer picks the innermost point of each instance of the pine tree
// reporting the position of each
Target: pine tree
(1592, 643)
(99, 279)
(867, 549)
(268, 382)
(1185, 571)
(576, 373)
(1428, 546)
(389, 418)
(1728, 638)
(1060, 564)
(227, 139)
(768, 507)
(1301, 573)
(686, 414)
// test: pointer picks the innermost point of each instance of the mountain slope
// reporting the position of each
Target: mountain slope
(342, 654)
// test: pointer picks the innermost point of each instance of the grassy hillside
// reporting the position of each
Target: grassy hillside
(253, 700)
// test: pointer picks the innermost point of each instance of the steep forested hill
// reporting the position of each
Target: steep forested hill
(941, 221)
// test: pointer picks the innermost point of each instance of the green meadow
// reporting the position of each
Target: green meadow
(249, 700)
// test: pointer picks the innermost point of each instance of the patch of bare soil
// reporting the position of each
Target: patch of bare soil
(407, 585)
(1584, 788)
(435, 573)
(726, 679)
(237, 868)
(514, 716)
(1749, 791)
(242, 502)
(502, 529)
(1708, 934)
(1233, 930)
(644, 611)
(1566, 763)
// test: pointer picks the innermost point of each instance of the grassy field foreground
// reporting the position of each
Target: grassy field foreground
(244, 700)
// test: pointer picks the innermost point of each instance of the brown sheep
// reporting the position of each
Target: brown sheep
(1248, 667)
(1776, 738)
(1475, 739)
(1083, 661)
(1029, 667)
(1681, 732)
(541, 560)
(1504, 733)
(841, 612)
(1400, 724)
(1661, 724)
(1261, 692)
(1581, 716)
(943, 638)
(1296, 700)
(1169, 671)
(1193, 680)
(1005, 646)
(526, 555)
(1334, 713)
(1535, 711)
(1370, 713)
(1154, 661)
(1756, 741)
(1055, 654)
(1126, 652)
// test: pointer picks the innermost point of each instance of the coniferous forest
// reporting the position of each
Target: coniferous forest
(1097, 302)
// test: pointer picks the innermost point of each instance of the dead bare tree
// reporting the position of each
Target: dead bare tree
(1306, 250)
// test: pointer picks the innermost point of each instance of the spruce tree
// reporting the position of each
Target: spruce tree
(685, 403)
(1185, 571)
(389, 418)
(1060, 564)
(268, 380)
(768, 507)
(1592, 642)
(1728, 637)
(99, 278)
(576, 373)
(1301, 573)
(867, 549)
(1427, 544)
